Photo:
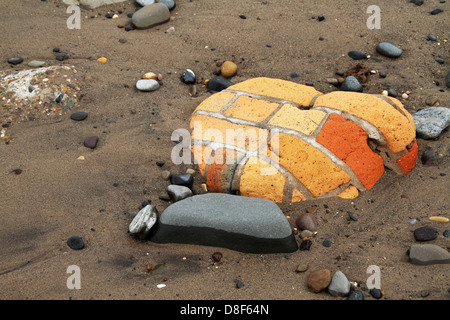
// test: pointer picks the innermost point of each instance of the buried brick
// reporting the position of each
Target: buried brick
(286, 142)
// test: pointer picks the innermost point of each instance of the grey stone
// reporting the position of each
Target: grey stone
(389, 49)
(431, 122)
(91, 4)
(188, 76)
(75, 243)
(351, 84)
(147, 85)
(239, 223)
(306, 222)
(339, 285)
(426, 254)
(357, 55)
(145, 2)
(36, 64)
(151, 15)
(143, 221)
(15, 60)
(169, 3)
(177, 193)
(356, 295)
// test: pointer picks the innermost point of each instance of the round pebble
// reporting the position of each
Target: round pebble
(318, 280)
(388, 49)
(351, 84)
(217, 256)
(79, 116)
(228, 69)
(446, 233)
(75, 243)
(356, 295)
(376, 293)
(218, 83)
(15, 60)
(91, 142)
(188, 76)
(306, 222)
(326, 243)
(147, 85)
(425, 233)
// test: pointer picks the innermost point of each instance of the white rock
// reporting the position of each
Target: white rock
(143, 221)
(147, 85)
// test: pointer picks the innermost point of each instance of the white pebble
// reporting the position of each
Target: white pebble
(404, 96)
(147, 85)
(159, 286)
(385, 93)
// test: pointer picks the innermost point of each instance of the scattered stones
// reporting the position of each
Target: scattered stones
(177, 193)
(319, 280)
(36, 64)
(389, 49)
(147, 85)
(431, 122)
(427, 254)
(188, 76)
(218, 83)
(15, 60)
(429, 157)
(91, 142)
(351, 84)
(228, 69)
(306, 221)
(150, 16)
(78, 116)
(75, 243)
(251, 225)
(357, 55)
(376, 293)
(143, 221)
(425, 233)
(356, 295)
(185, 179)
(339, 285)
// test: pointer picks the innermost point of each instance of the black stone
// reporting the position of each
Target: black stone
(218, 83)
(59, 98)
(417, 2)
(446, 233)
(294, 75)
(239, 284)
(376, 293)
(321, 17)
(62, 56)
(129, 28)
(75, 243)
(15, 60)
(56, 49)
(185, 179)
(160, 163)
(425, 233)
(352, 216)
(357, 55)
(382, 75)
(78, 116)
(188, 76)
(242, 16)
(431, 37)
(436, 11)
(326, 243)
(305, 245)
(440, 61)
(356, 295)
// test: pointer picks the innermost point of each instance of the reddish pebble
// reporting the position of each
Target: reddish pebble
(216, 256)
(91, 142)
(403, 196)
(121, 25)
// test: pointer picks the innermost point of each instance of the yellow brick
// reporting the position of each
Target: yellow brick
(291, 117)
(261, 180)
(297, 196)
(251, 109)
(216, 102)
(277, 88)
(350, 193)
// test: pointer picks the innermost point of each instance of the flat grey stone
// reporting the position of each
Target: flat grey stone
(389, 49)
(36, 64)
(143, 221)
(431, 122)
(426, 254)
(223, 220)
(339, 285)
(147, 85)
(150, 16)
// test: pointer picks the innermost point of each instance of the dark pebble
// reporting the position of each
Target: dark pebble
(188, 76)
(356, 295)
(392, 93)
(376, 293)
(431, 37)
(436, 11)
(294, 75)
(60, 97)
(216, 256)
(447, 80)
(424, 293)
(122, 40)
(185, 179)
(130, 15)
(78, 116)
(352, 216)
(326, 243)
(129, 28)
(62, 56)
(56, 49)
(239, 284)
(321, 17)
(91, 142)
(440, 61)
(429, 158)
(30, 89)
(305, 245)
(382, 75)
(75, 243)
(218, 83)
(108, 16)
(242, 16)
(15, 60)
(446, 233)
(160, 163)
(417, 2)
(17, 171)
(357, 55)
(425, 233)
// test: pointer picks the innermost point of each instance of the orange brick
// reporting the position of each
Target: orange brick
(251, 109)
(350, 193)
(348, 142)
(297, 196)
(407, 162)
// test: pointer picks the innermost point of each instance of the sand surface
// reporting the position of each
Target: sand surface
(57, 196)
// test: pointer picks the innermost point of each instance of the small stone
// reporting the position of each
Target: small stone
(145, 2)
(389, 49)
(429, 158)
(306, 222)
(382, 75)
(425, 233)
(311, 210)
(326, 243)
(169, 3)
(351, 84)
(36, 64)
(151, 15)
(56, 50)
(339, 285)
(75, 243)
(352, 216)
(392, 93)
(412, 221)
(160, 163)
(242, 16)
(446, 233)
(150, 75)
(102, 60)
(165, 175)
(216, 256)
(59, 98)
(440, 61)
(356, 295)
(147, 85)
(177, 193)
(15, 60)
(305, 245)
(431, 37)
(357, 55)
(143, 221)
(185, 179)
(239, 284)
(376, 293)
(301, 268)
(193, 92)
(62, 56)
(78, 116)
(432, 100)
(321, 17)
(333, 81)
(294, 75)
(306, 234)
(417, 2)
(228, 69)
(190, 171)
(218, 83)
(431, 122)
(436, 11)
(424, 293)
(427, 254)
(91, 142)
(319, 280)
(188, 76)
